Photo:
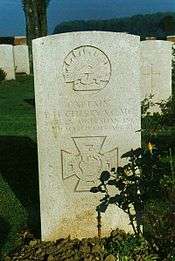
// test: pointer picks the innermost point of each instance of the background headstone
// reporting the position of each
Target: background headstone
(156, 70)
(21, 56)
(87, 88)
(20, 40)
(171, 38)
(7, 60)
(150, 38)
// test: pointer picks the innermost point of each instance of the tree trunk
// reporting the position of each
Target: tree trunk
(30, 27)
(42, 17)
(36, 22)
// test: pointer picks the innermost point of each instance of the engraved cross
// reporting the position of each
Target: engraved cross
(87, 164)
(151, 73)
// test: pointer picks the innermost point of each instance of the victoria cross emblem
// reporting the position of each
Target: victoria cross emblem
(89, 161)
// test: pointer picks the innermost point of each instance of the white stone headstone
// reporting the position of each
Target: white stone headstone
(87, 87)
(171, 38)
(7, 60)
(21, 55)
(156, 71)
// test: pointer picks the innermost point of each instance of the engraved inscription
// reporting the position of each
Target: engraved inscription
(87, 68)
(89, 161)
(94, 115)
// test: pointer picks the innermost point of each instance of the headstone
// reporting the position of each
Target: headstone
(156, 63)
(7, 60)
(21, 56)
(20, 40)
(87, 88)
(171, 38)
(150, 38)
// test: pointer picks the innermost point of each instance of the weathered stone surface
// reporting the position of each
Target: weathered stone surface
(21, 56)
(156, 62)
(88, 111)
(7, 60)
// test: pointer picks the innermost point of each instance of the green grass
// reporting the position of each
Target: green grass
(17, 115)
(19, 196)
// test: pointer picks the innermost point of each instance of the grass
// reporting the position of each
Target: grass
(17, 114)
(19, 196)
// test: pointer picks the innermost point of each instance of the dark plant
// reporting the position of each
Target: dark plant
(129, 181)
(140, 184)
(155, 25)
(2, 75)
(173, 81)
(159, 127)
(128, 247)
(154, 122)
(167, 24)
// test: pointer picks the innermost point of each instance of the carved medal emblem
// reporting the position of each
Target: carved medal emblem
(87, 68)
(89, 161)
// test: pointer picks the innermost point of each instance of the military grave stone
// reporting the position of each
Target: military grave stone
(87, 90)
(21, 56)
(156, 71)
(7, 60)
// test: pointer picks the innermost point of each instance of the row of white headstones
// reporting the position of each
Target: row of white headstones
(14, 59)
(88, 89)
(156, 62)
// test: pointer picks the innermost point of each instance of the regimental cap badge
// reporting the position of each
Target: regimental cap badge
(87, 68)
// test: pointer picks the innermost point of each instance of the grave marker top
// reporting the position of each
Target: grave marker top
(7, 60)
(156, 57)
(21, 56)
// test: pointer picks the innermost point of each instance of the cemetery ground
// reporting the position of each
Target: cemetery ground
(18, 161)
(19, 198)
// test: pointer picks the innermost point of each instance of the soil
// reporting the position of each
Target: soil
(63, 249)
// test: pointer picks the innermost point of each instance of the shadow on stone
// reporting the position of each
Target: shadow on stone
(18, 165)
